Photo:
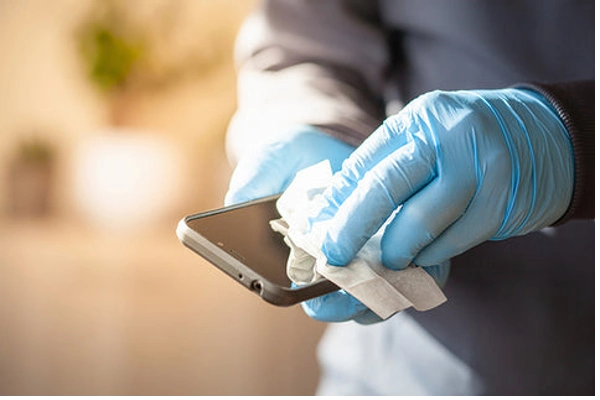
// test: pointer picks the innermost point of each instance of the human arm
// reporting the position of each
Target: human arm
(308, 63)
(303, 66)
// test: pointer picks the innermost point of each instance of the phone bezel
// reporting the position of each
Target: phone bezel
(242, 273)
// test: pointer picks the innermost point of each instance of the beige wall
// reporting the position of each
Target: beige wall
(85, 310)
(45, 89)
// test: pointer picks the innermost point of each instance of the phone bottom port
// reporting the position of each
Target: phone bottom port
(257, 286)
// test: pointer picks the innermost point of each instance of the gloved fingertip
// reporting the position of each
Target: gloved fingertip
(394, 262)
(336, 254)
(334, 307)
(335, 261)
(236, 197)
(229, 199)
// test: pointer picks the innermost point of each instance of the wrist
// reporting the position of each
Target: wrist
(574, 103)
(546, 176)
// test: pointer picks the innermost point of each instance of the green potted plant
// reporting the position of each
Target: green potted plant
(126, 56)
(121, 167)
(133, 53)
(111, 52)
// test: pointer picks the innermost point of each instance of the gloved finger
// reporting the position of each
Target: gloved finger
(337, 306)
(478, 224)
(423, 218)
(270, 169)
(377, 196)
(375, 148)
(261, 174)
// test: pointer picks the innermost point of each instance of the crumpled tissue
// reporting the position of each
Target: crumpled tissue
(383, 290)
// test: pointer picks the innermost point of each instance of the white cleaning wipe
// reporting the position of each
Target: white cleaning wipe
(383, 290)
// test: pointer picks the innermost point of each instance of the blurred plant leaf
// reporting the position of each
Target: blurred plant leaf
(123, 52)
(109, 56)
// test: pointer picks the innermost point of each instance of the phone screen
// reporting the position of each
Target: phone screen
(245, 233)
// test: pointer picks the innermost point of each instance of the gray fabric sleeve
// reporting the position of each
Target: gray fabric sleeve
(306, 62)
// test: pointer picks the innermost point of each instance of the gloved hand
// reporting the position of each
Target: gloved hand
(457, 169)
(271, 168)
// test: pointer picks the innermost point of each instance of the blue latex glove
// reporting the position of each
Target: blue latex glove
(465, 167)
(270, 169)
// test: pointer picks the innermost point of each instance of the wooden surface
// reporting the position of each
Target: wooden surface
(136, 313)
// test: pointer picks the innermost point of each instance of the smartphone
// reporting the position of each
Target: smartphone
(240, 242)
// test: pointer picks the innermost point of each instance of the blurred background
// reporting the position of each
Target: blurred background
(112, 119)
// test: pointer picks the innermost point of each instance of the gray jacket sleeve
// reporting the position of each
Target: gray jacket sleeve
(320, 63)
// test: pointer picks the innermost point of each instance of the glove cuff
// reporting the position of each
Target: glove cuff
(574, 104)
